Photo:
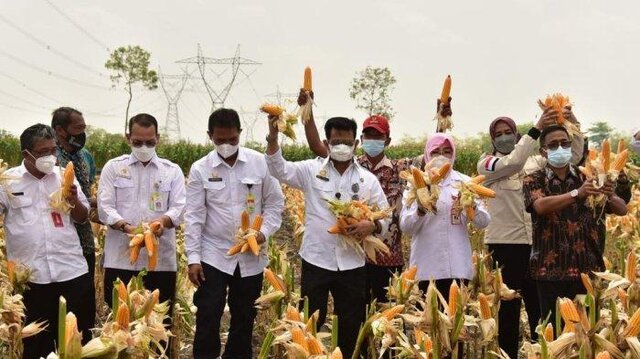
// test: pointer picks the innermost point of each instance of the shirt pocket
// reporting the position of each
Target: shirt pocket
(125, 190)
(215, 192)
(23, 209)
(325, 190)
(252, 193)
(165, 193)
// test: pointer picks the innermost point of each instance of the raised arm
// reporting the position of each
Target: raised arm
(311, 131)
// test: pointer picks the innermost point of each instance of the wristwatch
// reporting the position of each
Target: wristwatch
(574, 193)
(121, 227)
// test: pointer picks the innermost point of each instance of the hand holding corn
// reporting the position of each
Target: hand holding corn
(361, 228)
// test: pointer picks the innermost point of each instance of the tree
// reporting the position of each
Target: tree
(130, 65)
(371, 89)
(598, 132)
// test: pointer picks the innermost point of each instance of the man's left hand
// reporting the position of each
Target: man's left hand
(260, 238)
(608, 189)
(361, 229)
(446, 108)
(73, 195)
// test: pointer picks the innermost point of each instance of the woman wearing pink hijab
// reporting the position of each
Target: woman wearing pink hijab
(440, 246)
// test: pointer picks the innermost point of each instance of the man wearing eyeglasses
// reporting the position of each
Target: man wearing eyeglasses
(136, 188)
(567, 235)
(329, 264)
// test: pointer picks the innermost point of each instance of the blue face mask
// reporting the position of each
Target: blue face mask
(559, 157)
(373, 147)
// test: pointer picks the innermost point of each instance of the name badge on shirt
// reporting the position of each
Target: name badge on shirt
(56, 218)
(251, 202)
(155, 202)
(455, 211)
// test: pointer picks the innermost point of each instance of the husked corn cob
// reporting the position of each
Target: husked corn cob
(298, 337)
(620, 160)
(485, 309)
(337, 354)
(478, 179)
(136, 240)
(442, 172)
(274, 280)
(633, 328)
(11, 270)
(428, 344)
(235, 249)
(149, 242)
(272, 110)
(632, 262)
(417, 178)
(481, 190)
(453, 298)
(391, 313)
(606, 155)
(312, 322)
(569, 311)
(603, 355)
(253, 245)
(293, 314)
(155, 227)
(548, 332)
(621, 145)
(153, 259)
(446, 90)
(314, 345)
(122, 316)
(123, 294)
(307, 79)
(67, 180)
(586, 282)
(245, 220)
(135, 253)
(257, 222)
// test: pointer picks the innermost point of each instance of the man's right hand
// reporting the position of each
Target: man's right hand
(548, 118)
(587, 189)
(302, 97)
(196, 274)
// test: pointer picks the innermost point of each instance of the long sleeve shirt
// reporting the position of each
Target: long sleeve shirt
(130, 191)
(43, 239)
(319, 180)
(510, 221)
(440, 245)
(217, 194)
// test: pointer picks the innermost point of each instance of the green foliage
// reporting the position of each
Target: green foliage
(371, 88)
(598, 132)
(130, 65)
(10, 148)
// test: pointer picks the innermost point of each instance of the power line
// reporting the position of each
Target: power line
(22, 100)
(19, 108)
(74, 23)
(51, 73)
(29, 88)
(49, 47)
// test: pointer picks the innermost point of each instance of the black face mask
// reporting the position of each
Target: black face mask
(77, 141)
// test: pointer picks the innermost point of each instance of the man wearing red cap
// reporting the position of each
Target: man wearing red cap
(375, 138)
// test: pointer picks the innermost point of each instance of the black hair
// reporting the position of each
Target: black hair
(224, 118)
(550, 129)
(342, 124)
(34, 133)
(143, 120)
(62, 117)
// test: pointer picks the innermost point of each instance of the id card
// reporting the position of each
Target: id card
(251, 203)
(155, 202)
(56, 218)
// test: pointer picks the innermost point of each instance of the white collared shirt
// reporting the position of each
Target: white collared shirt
(217, 194)
(51, 251)
(135, 193)
(319, 247)
(439, 248)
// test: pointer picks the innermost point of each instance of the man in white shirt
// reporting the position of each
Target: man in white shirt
(635, 142)
(135, 188)
(328, 264)
(45, 239)
(221, 185)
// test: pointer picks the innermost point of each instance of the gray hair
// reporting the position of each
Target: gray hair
(33, 134)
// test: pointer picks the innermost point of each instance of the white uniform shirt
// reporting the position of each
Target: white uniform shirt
(47, 243)
(319, 247)
(440, 248)
(135, 193)
(217, 194)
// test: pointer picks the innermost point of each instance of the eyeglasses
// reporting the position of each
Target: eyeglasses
(554, 145)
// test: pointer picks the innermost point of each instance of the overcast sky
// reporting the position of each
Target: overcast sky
(502, 56)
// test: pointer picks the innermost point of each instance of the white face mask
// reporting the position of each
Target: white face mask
(143, 153)
(226, 150)
(341, 153)
(635, 145)
(45, 164)
(439, 161)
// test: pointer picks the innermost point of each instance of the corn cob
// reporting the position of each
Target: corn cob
(136, 240)
(253, 245)
(274, 280)
(293, 314)
(632, 262)
(123, 294)
(390, 313)
(418, 335)
(67, 180)
(586, 171)
(442, 172)
(149, 304)
(272, 110)
(478, 179)
(620, 160)
(135, 253)
(314, 345)
(312, 323)
(337, 354)
(621, 145)
(606, 155)
(149, 242)
(624, 298)
(471, 213)
(548, 333)
(155, 227)
(11, 270)
(417, 178)
(569, 311)
(298, 337)
(244, 221)
(73, 338)
(586, 282)
(446, 90)
(603, 355)
(481, 190)
(122, 316)
(257, 223)
(485, 309)
(307, 79)
(235, 249)
(633, 327)
(245, 247)
(153, 259)
(453, 298)
(428, 344)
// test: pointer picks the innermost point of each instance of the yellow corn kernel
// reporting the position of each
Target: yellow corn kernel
(481, 190)
(122, 316)
(272, 110)
(606, 155)
(314, 345)
(244, 221)
(633, 327)
(393, 311)
(446, 90)
(586, 282)
(485, 308)
(274, 280)
(548, 332)
(453, 298)
(307, 79)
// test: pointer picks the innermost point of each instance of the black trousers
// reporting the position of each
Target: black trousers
(348, 291)
(41, 303)
(514, 260)
(210, 299)
(378, 280)
(91, 301)
(549, 291)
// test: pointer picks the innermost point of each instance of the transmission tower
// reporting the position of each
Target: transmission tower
(281, 96)
(218, 97)
(172, 86)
